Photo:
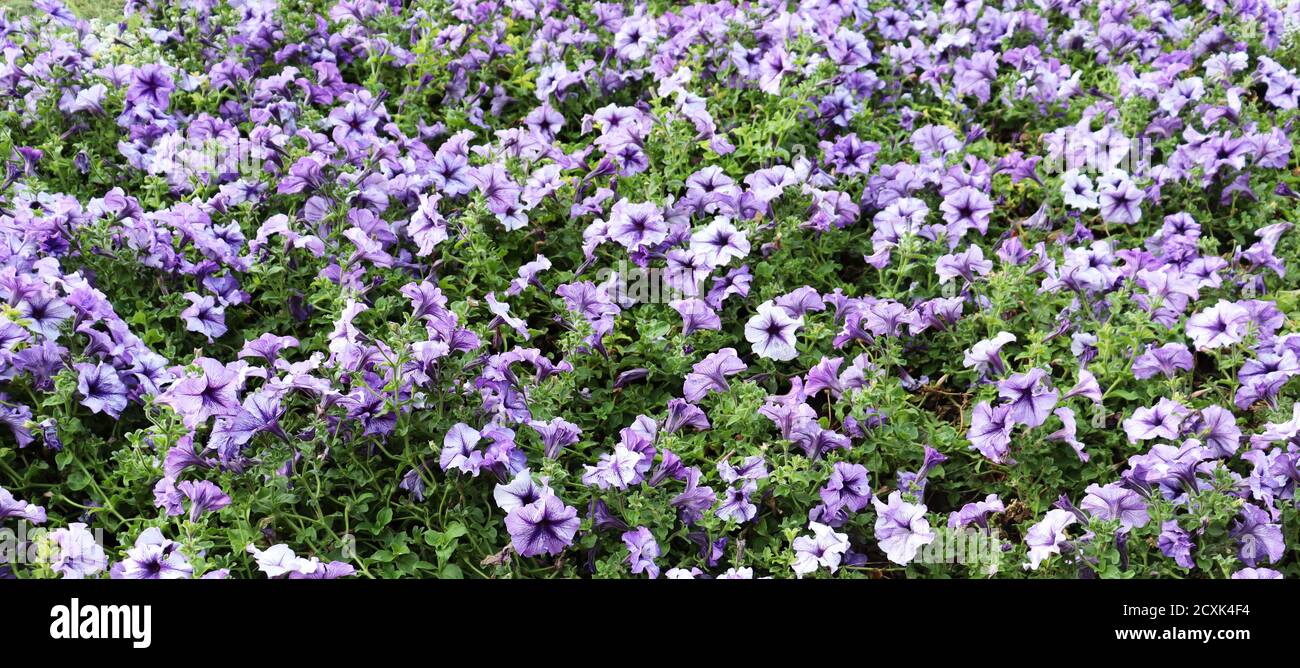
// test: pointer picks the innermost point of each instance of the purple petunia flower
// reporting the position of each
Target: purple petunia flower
(204, 497)
(642, 550)
(976, 513)
(46, 313)
(1256, 574)
(1166, 360)
(79, 554)
(101, 389)
(501, 192)
(966, 265)
(696, 314)
(279, 560)
(848, 487)
(322, 571)
(1068, 431)
(752, 468)
(214, 392)
(816, 440)
(710, 374)
(545, 526)
(501, 311)
(260, 413)
(459, 450)
(557, 433)
(153, 558)
(990, 431)
(1176, 544)
(1048, 536)
(772, 332)
(736, 504)
(719, 242)
(637, 225)
(618, 469)
(1257, 536)
(1120, 200)
(986, 357)
(697, 499)
(267, 346)
(11, 507)
(966, 208)
(519, 492)
(901, 528)
(1087, 387)
(1223, 324)
(150, 85)
(1029, 398)
(204, 316)
(1218, 429)
(824, 548)
(682, 414)
(1116, 502)
(1160, 421)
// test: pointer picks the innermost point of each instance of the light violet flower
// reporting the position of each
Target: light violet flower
(772, 332)
(1176, 544)
(849, 487)
(1067, 432)
(637, 225)
(736, 504)
(101, 389)
(1218, 430)
(204, 497)
(518, 492)
(1120, 201)
(976, 513)
(990, 431)
(617, 469)
(1116, 502)
(79, 555)
(824, 548)
(1165, 360)
(682, 414)
(1256, 574)
(985, 356)
(1159, 421)
(459, 450)
(1221, 325)
(901, 528)
(719, 242)
(279, 560)
(967, 265)
(11, 507)
(213, 392)
(502, 312)
(153, 558)
(1258, 536)
(1046, 538)
(557, 433)
(1077, 190)
(204, 316)
(1087, 387)
(1031, 399)
(642, 550)
(710, 374)
(545, 526)
(696, 314)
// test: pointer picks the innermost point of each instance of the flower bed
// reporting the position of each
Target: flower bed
(538, 289)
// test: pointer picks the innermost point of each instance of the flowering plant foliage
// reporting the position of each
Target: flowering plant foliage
(330, 288)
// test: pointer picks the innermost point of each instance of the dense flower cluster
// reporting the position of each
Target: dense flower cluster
(523, 288)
